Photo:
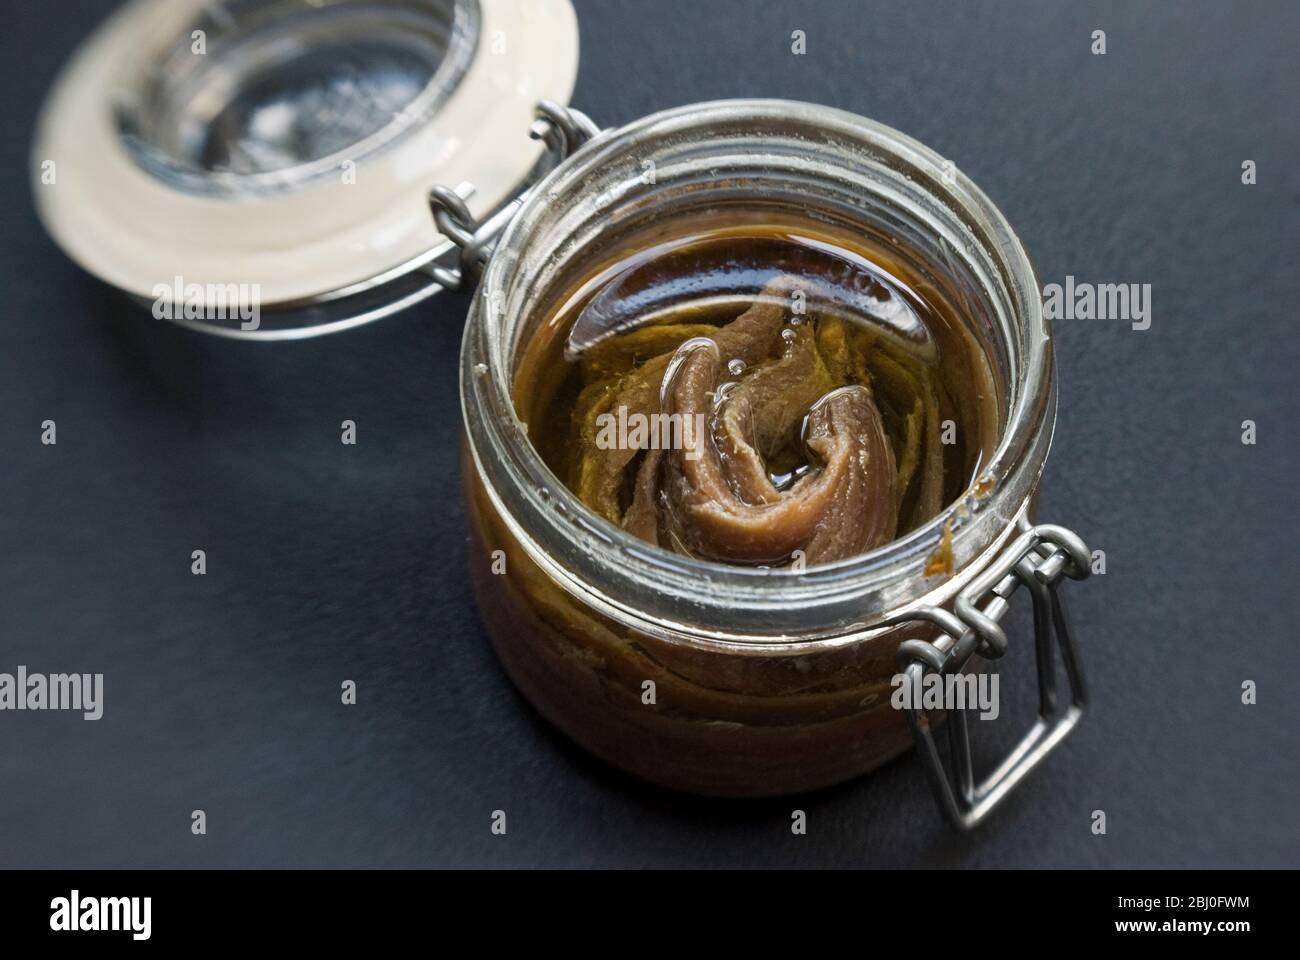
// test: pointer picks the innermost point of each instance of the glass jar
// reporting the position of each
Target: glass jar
(740, 681)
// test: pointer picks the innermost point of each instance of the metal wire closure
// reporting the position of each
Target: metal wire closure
(1037, 559)
(563, 130)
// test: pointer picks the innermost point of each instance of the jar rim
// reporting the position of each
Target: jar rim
(631, 579)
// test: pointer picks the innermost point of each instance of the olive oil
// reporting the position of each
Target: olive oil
(841, 399)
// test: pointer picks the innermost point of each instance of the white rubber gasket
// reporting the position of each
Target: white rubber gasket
(137, 232)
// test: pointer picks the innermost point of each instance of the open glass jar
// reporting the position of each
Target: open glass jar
(721, 679)
(764, 681)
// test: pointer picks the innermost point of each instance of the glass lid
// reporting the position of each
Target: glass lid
(261, 168)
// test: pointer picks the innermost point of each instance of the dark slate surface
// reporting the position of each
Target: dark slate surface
(329, 562)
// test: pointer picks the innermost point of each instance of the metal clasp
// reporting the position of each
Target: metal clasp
(1037, 559)
(563, 130)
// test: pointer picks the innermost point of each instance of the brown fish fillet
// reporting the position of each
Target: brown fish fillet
(717, 499)
(724, 509)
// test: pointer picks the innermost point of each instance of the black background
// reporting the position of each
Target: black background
(328, 562)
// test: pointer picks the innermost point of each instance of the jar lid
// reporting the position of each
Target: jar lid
(282, 152)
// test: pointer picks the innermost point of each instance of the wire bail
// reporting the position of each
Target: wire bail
(563, 130)
(1038, 559)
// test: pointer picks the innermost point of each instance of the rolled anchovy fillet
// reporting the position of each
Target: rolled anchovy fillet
(794, 456)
